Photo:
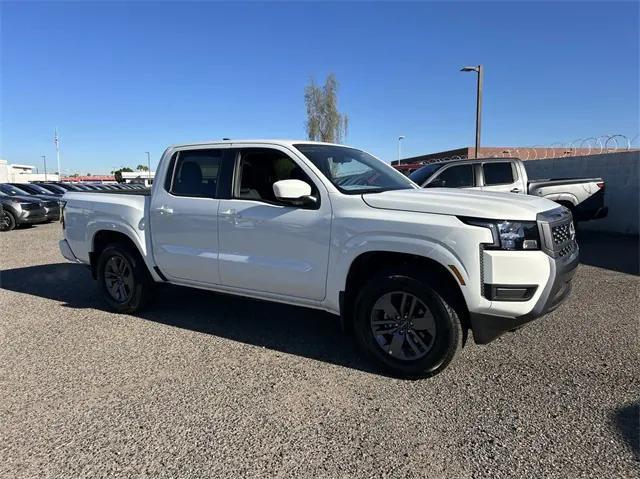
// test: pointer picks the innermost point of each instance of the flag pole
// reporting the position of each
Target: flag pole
(57, 142)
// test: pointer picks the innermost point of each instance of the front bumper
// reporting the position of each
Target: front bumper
(550, 279)
(487, 327)
(32, 216)
(65, 249)
(52, 213)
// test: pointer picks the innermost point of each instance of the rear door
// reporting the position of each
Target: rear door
(184, 214)
(501, 176)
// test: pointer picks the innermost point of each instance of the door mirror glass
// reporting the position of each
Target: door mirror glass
(291, 190)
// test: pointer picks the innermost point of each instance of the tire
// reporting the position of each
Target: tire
(7, 220)
(121, 268)
(425, 347)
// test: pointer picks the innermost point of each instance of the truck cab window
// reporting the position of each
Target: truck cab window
(497, 173)
(196, 173)
(260, 168)
(459, 176)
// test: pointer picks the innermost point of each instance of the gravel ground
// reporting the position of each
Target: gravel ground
(205, 385)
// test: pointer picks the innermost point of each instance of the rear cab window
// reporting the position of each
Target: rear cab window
(197, 173)
(500, 173)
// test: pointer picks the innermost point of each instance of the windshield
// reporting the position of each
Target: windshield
(12, 190)
(426, 172)
(354, 171)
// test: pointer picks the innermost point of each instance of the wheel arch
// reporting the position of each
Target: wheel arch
(564, 199)
(370, 263)
(103, 237)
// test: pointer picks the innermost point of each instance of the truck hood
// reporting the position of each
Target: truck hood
(457, 202)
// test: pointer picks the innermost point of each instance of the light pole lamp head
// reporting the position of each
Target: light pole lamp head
(401, 137)
(470, 69)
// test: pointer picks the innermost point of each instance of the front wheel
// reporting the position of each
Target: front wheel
(7, 220)
(406, 326)
(124, 278)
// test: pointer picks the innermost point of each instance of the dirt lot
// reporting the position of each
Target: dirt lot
(205, 385)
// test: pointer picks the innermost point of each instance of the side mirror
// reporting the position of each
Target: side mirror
(296, 192)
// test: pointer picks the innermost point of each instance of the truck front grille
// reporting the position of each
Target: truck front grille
(561, 233)
(567, 250)
(557, 232)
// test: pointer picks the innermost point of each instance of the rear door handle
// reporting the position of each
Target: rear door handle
(515, 190)
(164, 210)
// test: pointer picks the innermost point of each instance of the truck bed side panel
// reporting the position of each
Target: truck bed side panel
(87, 213)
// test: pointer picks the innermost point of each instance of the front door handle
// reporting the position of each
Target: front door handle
(230, 213)
(515, 190)
(164, 210)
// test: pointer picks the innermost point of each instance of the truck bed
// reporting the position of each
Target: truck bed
(564, 181)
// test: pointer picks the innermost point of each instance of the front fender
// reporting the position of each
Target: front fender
(440, 251)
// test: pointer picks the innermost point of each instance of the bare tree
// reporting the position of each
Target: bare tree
(324, 121)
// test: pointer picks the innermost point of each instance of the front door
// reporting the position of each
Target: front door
(184, 215)
(267, 245)
(454, 176)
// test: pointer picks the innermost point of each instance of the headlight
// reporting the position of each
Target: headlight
(509, 235)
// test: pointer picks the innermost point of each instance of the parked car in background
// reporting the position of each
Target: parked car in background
(19, 211)
(51, 203)
(36, 189)
(410, 271)
(51, 187)
(583, 196)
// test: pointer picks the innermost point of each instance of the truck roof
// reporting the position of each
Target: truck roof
(451, 160)
(281, 142)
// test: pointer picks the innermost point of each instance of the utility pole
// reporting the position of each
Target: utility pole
(480, 71)
(44, 159)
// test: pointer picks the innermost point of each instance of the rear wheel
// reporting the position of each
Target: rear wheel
(7, 220)
(124, 278)
(406, 326)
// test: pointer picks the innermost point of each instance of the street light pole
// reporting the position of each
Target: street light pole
(480, 71)
(400, 138)
(44, 158)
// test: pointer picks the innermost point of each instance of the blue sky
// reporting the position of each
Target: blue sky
(119, 79)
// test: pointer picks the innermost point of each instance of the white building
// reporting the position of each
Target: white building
(141, 177)
(12, 173)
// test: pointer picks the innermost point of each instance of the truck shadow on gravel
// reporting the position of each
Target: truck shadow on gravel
(610, 251)
(288, 329)
(627, 422)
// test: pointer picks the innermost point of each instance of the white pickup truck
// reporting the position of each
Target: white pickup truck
(583, 196)
(410, 271)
